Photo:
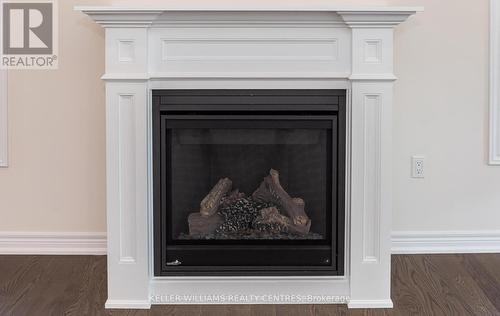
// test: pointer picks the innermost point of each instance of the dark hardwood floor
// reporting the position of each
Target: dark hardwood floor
(422, 285)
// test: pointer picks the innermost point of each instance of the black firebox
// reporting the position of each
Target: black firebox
(249, 182)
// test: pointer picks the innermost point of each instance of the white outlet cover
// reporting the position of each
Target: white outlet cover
(417, 166)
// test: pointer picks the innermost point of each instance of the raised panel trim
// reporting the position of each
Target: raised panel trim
(372, 138)
(4, 139)
(494, 139)
(373, 51)
(126, 50)
(166, 57)
(127, 177)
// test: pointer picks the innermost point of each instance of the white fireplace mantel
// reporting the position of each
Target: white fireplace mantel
(249, 46)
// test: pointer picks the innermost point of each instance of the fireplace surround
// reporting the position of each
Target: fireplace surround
(267, 46)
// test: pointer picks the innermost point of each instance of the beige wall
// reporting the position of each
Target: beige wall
(56, 178)
(441, 111)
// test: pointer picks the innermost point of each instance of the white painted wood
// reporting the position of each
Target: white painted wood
(127, 147)
(388, 18)
(127, 183)
(248, 83)
(301, 52)
(494, 154)
(372, 137)
(410, 242)
(4, 126)
(372, 51)
(371, 180)
(249, 49)
(396, 14)
(52, 243)
(126, 51)
(229, 75)
(370, 304)
(127, 304)
(254, 290)
(177, 47)
(371, 189)
(242, 20)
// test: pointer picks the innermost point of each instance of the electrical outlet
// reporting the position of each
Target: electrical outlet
(417, 166)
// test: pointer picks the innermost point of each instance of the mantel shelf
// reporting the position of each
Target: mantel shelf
(144, 16)
(253, 7)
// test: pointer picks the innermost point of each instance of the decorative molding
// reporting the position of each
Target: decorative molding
(249, 49)
(373, 77)
(126, 50)
(278, 51)
(372, 138)
(4, 139)
(52, 243)
(127, 188)
(126, 18)
(133, 77)
(373, 51)
(249, 83)
(237, 75)
(353, 16)
(269, 6)
(494, 154)
(388, 18)
(418, 242)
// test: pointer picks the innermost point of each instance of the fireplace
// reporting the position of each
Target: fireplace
(249, 182)
(275, 99)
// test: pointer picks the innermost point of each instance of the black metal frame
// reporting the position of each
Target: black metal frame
(255, 106)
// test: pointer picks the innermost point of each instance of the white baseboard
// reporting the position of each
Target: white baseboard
(403, 242)
(370, 304)
(419, 242)
(127, 304)
(53, 243)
